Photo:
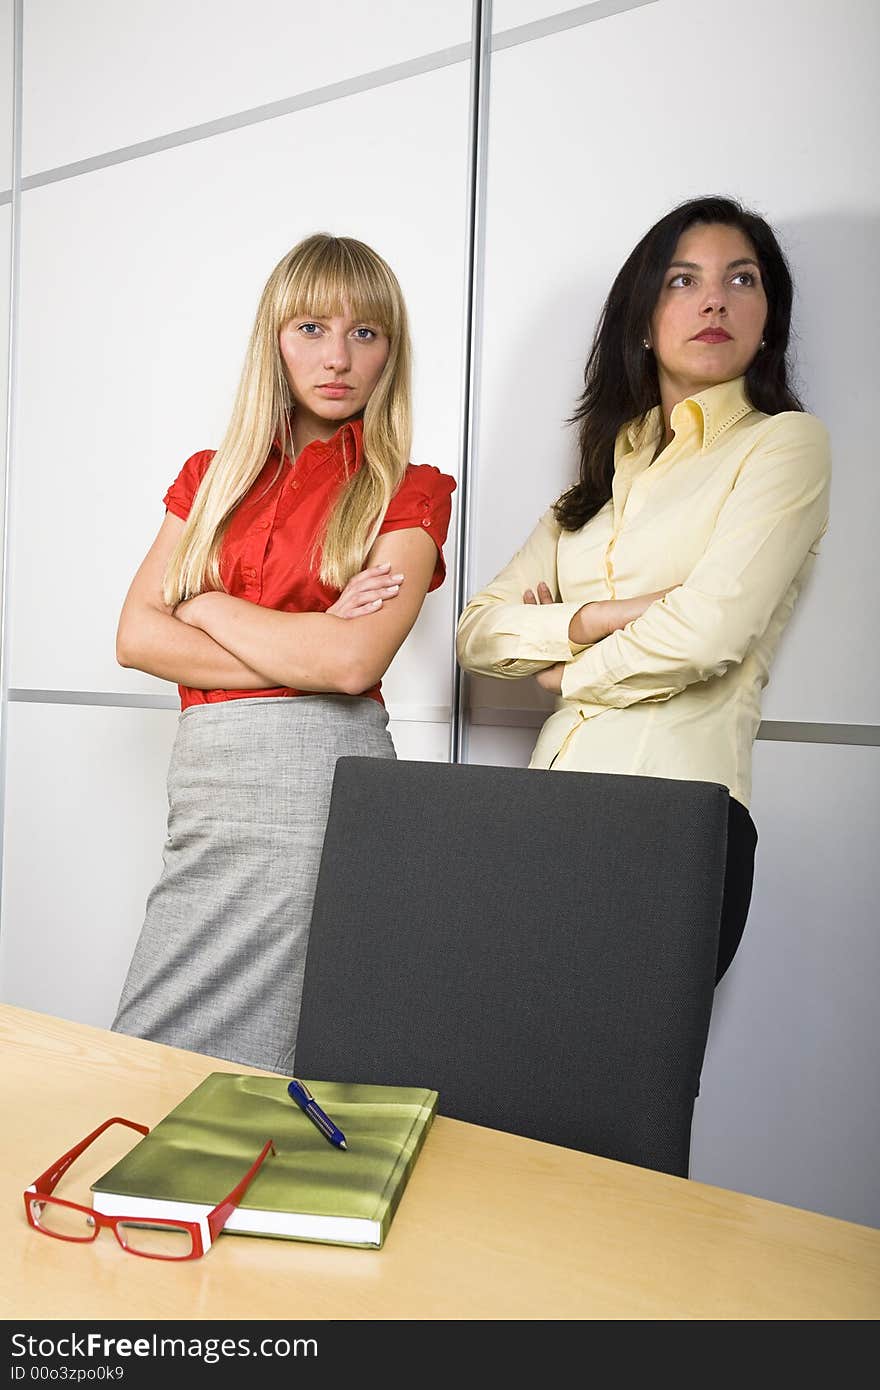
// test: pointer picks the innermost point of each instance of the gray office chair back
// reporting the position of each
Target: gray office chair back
(539, 947)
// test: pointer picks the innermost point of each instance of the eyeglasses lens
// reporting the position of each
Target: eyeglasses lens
(62, 1221)
(170, 1242)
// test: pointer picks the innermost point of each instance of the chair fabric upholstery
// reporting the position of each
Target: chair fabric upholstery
(537, 946)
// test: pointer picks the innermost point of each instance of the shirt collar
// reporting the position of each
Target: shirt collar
(711, 411)
(347, 444)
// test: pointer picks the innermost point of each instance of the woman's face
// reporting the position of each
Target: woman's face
(332, 366)
(709, 317)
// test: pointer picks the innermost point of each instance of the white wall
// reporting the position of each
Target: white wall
(7, 94)
(788, 1098)
(168, 164)
(100, 76)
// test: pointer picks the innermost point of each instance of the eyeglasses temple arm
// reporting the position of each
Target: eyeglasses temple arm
(47, 1181)
(218, 1218)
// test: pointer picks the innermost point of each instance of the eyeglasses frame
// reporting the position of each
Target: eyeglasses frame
(45, 1184)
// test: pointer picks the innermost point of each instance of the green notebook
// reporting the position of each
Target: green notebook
(309, 1190)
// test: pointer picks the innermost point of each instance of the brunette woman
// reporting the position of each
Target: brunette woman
(652, 595)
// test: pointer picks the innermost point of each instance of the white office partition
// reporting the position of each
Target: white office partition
(511, 14)
(5, 266)
(7, 97)
(5, 281)
(85, 819)
(602, 118)
(7, 93)
(101, 76)
(140, 274)
(424, 739)
(788, 1098)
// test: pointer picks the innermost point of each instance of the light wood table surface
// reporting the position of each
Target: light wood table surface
(491, 1226)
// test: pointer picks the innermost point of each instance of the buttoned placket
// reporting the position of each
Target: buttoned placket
(254, 552)
(288, 489)
(628, 472)
(633, 476)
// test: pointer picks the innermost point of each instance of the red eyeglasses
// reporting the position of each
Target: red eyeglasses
(154, 1239)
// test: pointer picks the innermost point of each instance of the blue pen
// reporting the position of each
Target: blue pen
(306, 1101)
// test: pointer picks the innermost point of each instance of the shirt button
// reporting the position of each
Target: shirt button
(249, 574)
(263, 525)
(294, 482)
(426, 521)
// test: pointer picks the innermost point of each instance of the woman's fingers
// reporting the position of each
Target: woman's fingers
(366, 592)
(544, 594)
(374, 581)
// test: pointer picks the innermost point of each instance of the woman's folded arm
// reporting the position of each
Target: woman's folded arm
(766, 531)
(150, 638)
(498, 634)
(320, 651)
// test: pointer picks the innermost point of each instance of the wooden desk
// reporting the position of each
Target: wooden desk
(491, 1226)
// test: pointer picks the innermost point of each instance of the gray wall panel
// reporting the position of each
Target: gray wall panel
(790, 1099)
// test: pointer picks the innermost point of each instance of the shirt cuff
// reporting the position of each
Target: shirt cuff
(542, 631)
(580, 676)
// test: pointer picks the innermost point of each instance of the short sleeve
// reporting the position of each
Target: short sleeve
(179, 497)
(423, 499)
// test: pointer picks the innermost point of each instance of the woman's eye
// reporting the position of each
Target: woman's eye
(682, 281)
(365, 335)
(309, 330)
(745, 277)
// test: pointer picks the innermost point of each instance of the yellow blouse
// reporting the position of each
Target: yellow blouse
(731, 512)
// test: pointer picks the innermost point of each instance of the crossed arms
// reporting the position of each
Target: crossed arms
(217, 642)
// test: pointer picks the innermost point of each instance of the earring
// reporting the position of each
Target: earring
(761, 345)
(646, 345)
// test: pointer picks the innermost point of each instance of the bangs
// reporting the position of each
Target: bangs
(336, 274)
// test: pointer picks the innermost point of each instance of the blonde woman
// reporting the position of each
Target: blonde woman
(264, 597)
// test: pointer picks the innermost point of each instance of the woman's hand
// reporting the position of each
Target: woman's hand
(366, 592)
(188, 611)
(550, 678)
(543, 594)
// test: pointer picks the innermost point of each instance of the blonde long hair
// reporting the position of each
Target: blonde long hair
(322, 275)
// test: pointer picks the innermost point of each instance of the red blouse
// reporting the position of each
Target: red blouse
(266, 549)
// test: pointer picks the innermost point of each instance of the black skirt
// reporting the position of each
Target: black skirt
(742, 839)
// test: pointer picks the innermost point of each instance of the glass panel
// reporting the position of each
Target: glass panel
(60, 1220)
(171, 1242)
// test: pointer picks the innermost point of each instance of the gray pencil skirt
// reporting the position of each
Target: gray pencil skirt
(218, 966)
